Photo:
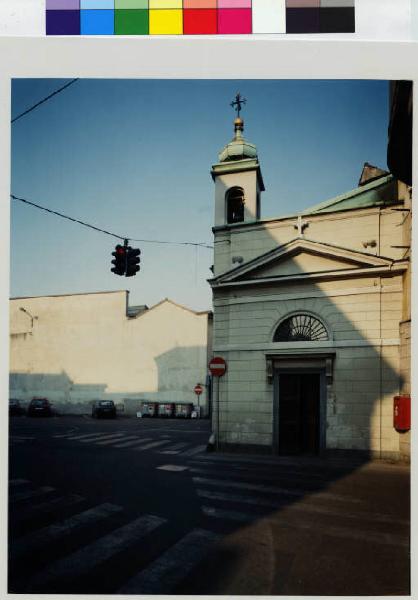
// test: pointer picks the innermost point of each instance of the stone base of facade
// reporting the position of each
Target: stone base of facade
(365, 455)
(405, 446)
(246, 448)
(359, 456)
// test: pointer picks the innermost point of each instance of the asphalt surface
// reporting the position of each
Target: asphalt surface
(137, 506)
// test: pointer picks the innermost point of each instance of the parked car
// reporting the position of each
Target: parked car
(15, 409)
(103, 408)
(39, 407)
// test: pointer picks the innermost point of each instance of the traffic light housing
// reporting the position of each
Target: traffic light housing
(119, 261)
(132, 261)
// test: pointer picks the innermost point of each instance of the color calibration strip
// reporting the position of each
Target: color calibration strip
(198, 17)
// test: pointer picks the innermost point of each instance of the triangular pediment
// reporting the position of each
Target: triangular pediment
(300, 262)
(302, 258)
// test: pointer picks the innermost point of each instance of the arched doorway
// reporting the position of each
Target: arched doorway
(300, 386)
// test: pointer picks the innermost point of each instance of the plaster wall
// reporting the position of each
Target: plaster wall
(76, 349)
(346, 229)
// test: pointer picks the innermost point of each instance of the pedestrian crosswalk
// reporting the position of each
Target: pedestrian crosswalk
(142, 552)
(173, 565)
(236, 490)
(62, 564)
(31, 494)
(15, 482)
(34, 541)
(160, 444)
(47, 507)
(151, 445)
(274, 489)
(131, 443)
(88, 557)
(20, 439)
(100, 438)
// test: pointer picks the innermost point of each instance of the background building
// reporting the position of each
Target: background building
(309, 313)
(75, 349)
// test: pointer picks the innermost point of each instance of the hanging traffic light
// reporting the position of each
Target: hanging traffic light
(132, 261)
(119, 261)
(126, 261)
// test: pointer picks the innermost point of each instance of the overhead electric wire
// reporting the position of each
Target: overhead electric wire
(54, 212)
(44, 100)
(121, 237)
(200, 244)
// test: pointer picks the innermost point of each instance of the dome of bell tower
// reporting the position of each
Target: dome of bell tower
(238, 148)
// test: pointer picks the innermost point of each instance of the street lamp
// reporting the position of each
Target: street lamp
(32, 318)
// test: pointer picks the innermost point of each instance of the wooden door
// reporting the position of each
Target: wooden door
(299, 396)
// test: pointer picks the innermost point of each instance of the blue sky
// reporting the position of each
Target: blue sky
(134, 157)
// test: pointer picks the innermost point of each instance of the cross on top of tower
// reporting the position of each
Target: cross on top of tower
(238, 102)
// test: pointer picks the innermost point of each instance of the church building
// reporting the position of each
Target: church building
(311, 314)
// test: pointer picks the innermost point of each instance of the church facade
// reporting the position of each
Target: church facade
(309, 314)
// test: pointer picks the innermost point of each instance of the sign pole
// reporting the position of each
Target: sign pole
(217, 414)
(198, 389)
(217, 367)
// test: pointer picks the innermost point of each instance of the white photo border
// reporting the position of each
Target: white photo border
(180, 58)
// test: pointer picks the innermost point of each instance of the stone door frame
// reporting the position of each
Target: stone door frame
(314, 363)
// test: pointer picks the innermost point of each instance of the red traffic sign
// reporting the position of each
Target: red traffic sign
(217, 366)
(198, 389)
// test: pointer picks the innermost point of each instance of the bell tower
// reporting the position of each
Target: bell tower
(237, 177)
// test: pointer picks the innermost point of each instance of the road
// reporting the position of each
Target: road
(137, 506)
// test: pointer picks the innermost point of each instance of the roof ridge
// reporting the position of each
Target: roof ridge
(350, 194)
